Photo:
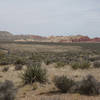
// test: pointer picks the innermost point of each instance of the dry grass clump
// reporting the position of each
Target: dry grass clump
(34, 74)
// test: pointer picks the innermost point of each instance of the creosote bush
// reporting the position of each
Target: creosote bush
(7, 90)
(80, 65)
(63, 83)
(34, 74)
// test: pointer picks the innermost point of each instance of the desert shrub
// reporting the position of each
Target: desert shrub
(95, 58)
(47, 61)
(5, 69)
(18, 67)
(63, 83)
(4, 61)
(60, 64)
(2, 54)
(81, 65)
(34, 74)
(96, 64)
(7, 90)
(88, 86)
(20, 61)
(75, 65)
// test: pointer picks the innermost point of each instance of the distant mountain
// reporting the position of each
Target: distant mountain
(5, 36)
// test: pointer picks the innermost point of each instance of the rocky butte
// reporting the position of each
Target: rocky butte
(7, 36)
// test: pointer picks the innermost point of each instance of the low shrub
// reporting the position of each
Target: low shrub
(96, 64)
(95, 58)
(7, 90)
(88, 86)
(34, 74)
(20, 61)
(4, 61)
(18, 67)
(60, 64)
(47, 62)
(5, 69)
(63, 83)
(81, 65)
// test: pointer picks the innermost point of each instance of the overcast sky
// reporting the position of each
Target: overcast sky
(51, 17)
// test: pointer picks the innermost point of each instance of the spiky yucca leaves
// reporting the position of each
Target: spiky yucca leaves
(34, 74)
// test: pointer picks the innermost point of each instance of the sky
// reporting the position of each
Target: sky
(51, 17)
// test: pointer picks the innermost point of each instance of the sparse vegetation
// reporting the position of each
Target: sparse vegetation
(83, 57)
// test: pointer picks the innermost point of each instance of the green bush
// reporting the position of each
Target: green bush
(34, 74)
(63, 83)
(81, 65)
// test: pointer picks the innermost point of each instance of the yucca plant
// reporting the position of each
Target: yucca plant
(34, 74)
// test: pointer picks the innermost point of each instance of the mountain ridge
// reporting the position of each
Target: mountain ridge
(5, 35)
